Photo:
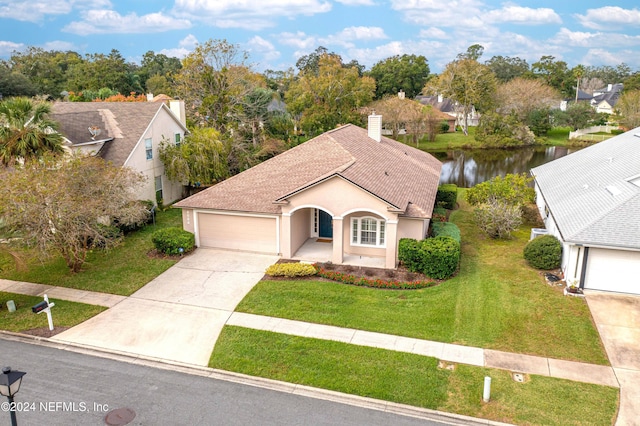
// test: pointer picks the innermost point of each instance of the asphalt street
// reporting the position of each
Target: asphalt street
(62, 387)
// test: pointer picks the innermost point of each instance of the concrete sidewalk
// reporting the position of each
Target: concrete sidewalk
(53, 292)
(570, 370)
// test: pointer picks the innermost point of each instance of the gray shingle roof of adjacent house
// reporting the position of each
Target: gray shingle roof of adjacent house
(594, 194)
(402, 176)
(123, 122)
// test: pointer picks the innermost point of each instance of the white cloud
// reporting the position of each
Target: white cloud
(8, 47)
(185, 46)
(263, 48)
(356, 2)
(609, 17)
(247, 14)
(433, 32)
(35, 11)
(595, 40)
(105, 21)
(523, 15)
(298, 40)
(58, 45)
(362, 33)
(606, 57)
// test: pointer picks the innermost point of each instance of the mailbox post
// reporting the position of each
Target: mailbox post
(44, 306)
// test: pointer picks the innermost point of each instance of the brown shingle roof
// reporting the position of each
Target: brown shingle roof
(404, 177)
(126, 122)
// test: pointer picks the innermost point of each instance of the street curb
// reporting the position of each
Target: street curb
(275, 385)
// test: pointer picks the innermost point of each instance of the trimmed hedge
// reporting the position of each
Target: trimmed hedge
(543, 252)
(447, 196)
(172, 240)
(446, 229)
(373, 282)
(436, 257)
(291, 270)
(439, 214)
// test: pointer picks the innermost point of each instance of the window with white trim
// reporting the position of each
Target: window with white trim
(148, 147)
(367, 231)
(178, 139)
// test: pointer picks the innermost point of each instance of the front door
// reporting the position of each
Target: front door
(325, 230)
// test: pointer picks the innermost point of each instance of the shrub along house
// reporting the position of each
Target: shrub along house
(590, 201)
(350, 186)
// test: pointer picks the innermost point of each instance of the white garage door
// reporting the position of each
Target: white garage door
(238, 232)
(613, 270)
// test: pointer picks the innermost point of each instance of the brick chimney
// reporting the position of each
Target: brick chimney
(374, 128)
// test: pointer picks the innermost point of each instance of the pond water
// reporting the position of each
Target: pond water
(468, 168)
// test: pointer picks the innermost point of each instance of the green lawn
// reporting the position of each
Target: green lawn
(496, 301)
(412, 379)
(65, 313)
(122, 270)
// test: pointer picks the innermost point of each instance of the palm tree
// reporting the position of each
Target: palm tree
(26, 131)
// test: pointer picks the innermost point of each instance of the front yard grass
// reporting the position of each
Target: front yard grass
(412, 379)
(65, 313)
(121, 270)
(495, 301)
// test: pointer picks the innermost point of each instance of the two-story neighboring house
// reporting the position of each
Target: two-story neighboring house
(127, 134)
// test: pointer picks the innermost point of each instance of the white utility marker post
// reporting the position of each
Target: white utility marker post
(486, 395)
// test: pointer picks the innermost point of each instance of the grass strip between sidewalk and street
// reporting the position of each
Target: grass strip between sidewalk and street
(412, 379)
(496, 301)
(65, 313)
(121, 270)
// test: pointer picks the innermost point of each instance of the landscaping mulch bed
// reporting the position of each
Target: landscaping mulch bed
(399, 274)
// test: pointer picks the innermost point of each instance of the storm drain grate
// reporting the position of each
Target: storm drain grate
(119, 417)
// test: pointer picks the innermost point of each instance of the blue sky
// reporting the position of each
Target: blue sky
(277, 32)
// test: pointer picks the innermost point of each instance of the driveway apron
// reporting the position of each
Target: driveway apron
(179, 315)
(617, 318)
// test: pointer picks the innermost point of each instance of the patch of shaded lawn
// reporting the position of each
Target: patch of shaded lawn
(65, 313)
(121, 270)
(412, 379)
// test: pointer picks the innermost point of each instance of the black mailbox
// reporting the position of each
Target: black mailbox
(39, 307)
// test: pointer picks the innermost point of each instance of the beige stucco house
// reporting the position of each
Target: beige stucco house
(127, 134)
(350, 186)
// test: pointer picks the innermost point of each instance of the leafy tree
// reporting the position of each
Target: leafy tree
(632, 82)
(628, 107)
(69, 204)
(468, 83)
(407, 72)
(310, 64)
(578, 115)
(513, 189)
(201, 159)
(331, 97)
(608, 74)
(556, 74)
(506, 68)
(13, 83)
(26, 130)
(497, 131)
(214, 82)
(98, 70)
(48, 71)
(279, 81)
(521, 96)
(255, 114)
(158, 66)
(159, 84)
(474, 52)
(539, 121)
(394, 112)
(497, 218)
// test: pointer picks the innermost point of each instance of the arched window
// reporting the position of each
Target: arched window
(367, 231)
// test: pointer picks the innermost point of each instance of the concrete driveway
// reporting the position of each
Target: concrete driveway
(617, 318)
(177, 316)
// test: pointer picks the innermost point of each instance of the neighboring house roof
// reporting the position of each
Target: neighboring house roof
(404, 177)
(122, 123)
(438, 102)
(594, 194)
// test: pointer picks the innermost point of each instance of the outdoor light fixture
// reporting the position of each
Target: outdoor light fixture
(9, 386)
